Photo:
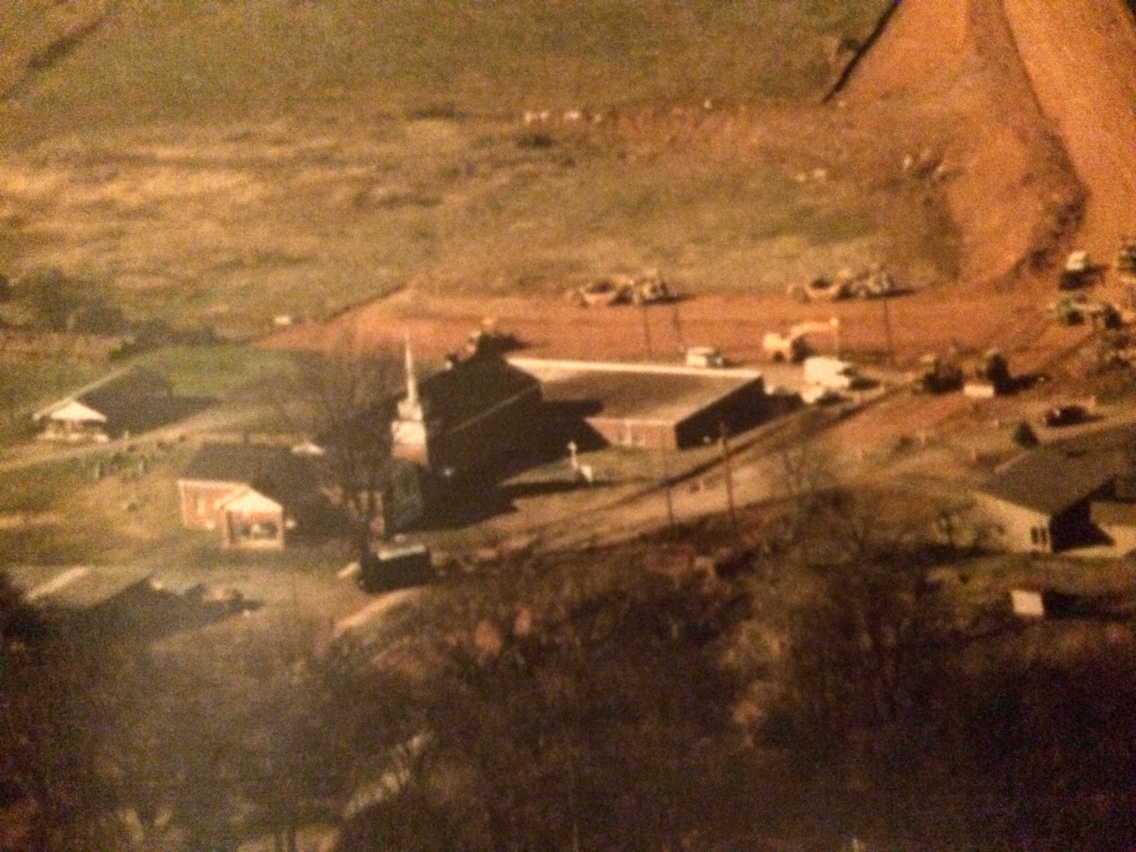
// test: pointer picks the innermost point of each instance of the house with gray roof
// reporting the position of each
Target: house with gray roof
(128, 400)
(1067, 494)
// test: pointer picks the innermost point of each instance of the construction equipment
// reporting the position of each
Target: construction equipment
(869, 283)
(937, 376)
(643, 289)
(1074, 309)
(827, 372)
(792, 346)
(1126, 260)
(648, 288)
(820, 289)
(1077, 271)
(874, 283)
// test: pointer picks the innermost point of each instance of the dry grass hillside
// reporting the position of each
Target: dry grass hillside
(216, 165)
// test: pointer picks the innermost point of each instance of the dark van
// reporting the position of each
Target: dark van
(397, 567)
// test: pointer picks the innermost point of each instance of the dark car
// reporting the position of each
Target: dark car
(1064, 415)
(396, 568)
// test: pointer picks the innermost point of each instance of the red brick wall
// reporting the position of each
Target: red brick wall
(199, 501)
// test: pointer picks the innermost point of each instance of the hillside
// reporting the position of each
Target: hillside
(217, 165)
(149, 60)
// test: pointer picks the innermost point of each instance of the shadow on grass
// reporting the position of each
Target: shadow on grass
(161, 412)
(144, 612)
(464, 508)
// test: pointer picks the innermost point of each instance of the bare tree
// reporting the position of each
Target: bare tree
(342, 398)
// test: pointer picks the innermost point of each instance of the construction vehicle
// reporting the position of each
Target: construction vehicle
(792, 346)
(937, 375)
(649, 287)
(1077, 272)
(870, 283)
(874, 283)
(827, 372)
(1126, 260)
(1075, 309)
(644, 289)
(820, 289)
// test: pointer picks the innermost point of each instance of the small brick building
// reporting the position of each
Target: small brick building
(252, 494)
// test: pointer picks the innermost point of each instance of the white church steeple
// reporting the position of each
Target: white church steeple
(409, 433)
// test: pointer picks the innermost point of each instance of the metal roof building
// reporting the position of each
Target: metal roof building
(652, 406)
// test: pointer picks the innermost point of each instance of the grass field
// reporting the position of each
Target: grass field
(160, 61)
(219, 164)
(226, 229)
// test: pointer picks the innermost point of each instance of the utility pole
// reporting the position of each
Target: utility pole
(887, 330)
(667, 492)
(724, 440)
(646, 330)
(676, 321)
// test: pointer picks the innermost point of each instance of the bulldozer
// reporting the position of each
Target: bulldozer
(1077, 309)
(937, 375)
(643, 289)
(872, 282)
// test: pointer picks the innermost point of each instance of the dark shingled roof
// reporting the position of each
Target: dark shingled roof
(1055, 477)
(117, 394)
(472, 387)
(274, 471)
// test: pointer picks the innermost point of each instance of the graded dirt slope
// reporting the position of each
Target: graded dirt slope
(1081, 59)
(947, 76)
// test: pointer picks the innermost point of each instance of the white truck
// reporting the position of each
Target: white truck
(829, 373)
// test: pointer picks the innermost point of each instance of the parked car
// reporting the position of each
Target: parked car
(704, 356)
(1064, 415)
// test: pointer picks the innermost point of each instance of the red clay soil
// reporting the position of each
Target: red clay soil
(954, 80)
(1081, 59)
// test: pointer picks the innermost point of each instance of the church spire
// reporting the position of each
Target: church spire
(411, 377)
